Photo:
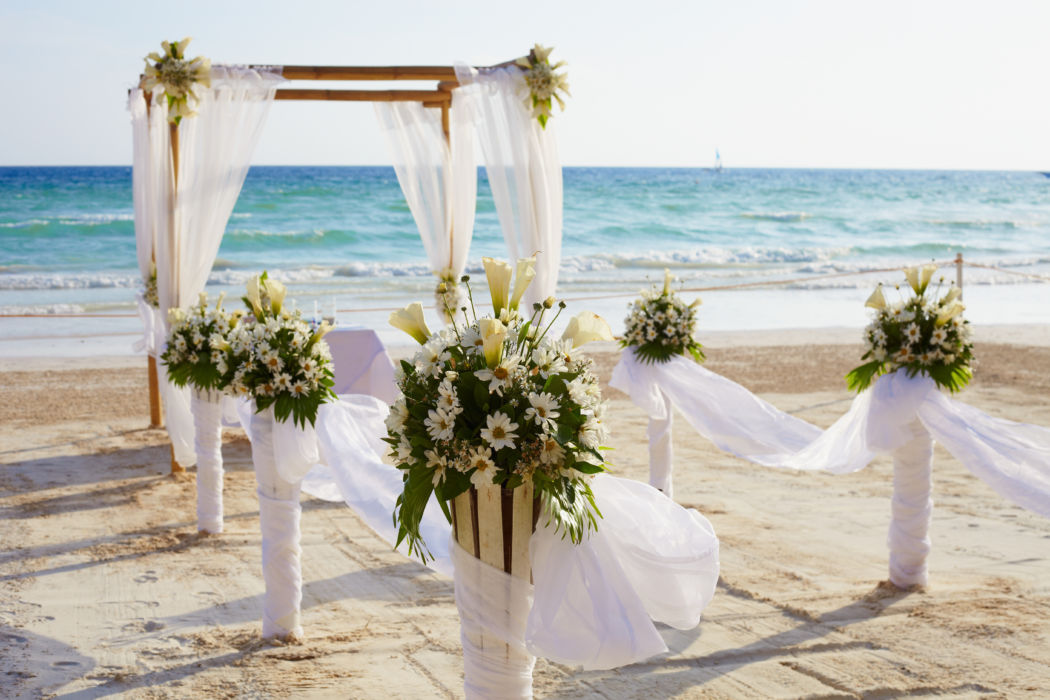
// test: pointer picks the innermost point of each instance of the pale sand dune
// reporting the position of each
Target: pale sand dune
(107, 590)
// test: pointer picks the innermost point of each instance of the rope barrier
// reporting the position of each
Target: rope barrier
(618, 295)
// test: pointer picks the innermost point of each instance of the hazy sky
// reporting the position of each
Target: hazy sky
(889, 84)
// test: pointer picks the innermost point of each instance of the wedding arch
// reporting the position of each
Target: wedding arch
(188, 170)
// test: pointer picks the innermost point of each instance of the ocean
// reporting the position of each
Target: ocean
(343, 237)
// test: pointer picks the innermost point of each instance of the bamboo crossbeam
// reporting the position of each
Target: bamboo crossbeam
(369, 73)
(364, 95)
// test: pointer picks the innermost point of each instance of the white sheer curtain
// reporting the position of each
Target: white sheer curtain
(215, 149)
(144, 183)
(524, 171)
(439, 177)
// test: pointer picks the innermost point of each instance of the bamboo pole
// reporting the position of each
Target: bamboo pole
(363, 95)
(173, 130)
(155, 420)
(369, 73)
(958, 271)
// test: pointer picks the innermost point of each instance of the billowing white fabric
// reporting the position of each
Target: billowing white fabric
(594, 603)
(206, 407)
(185, 228)
(912, 507)
(524, 171)
(721, 410)
(352, 470)
(661, 450)
(361, 364)
(439, 177)
(154, 336)
(215, 149)
(493, 613)
(279, 516)
(178, 419)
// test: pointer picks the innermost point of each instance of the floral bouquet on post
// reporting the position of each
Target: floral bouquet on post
(921, 335)
(660, 325)
(198, 343)
(497, 400)
(277, 360)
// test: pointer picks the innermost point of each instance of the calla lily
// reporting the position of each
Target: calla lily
(276, 291)
(523, 277)
(498, 273)
(585, 327)
(876, 300)
(919, 277)
(947, 313)
(953, 294)
(410, 320)
(493, 347)
(218, 304)
(321, 331)
(255, 295)
(202, 299)
(668, 278)
(490, 326)
(175, 315)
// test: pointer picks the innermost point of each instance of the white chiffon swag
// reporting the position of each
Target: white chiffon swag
(215, 149)
(439, 178)
(898, 415)
(592, 604)
(524, 172)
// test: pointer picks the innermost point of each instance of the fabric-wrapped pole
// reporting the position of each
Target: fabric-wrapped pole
(206, 407)
(279, 515)
(912, 505)
(493, 611)
(661, 451)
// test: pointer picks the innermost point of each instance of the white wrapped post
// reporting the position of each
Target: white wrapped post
(279, 515)
(494, 594)
(909, 538)
(206, 407)
(661, 452)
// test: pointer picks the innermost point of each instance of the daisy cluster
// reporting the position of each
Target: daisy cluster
(544, 84)
(178, 75)
(920, 334)
(198, 341)
(149, 291)
(276, 359)
(660, 325)
(499, 401)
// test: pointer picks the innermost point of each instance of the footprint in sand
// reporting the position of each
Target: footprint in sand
(148, 577)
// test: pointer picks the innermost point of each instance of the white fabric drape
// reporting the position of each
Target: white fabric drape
(593, 604)
(206, 407)
(661, 450)
(279, 517)
(439, 178)
(912, 509)
(721, 410)
(182, 230)
(153, 334)
(524, 172)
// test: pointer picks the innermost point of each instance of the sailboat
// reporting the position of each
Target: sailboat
(718, 164)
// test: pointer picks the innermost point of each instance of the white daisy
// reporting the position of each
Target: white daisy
(543, 410)
(483, 466)
(501, 376)
(440, 424)
(499, 431)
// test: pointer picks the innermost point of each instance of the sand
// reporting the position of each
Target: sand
(106, 589)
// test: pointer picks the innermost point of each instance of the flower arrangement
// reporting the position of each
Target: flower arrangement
(448, 297)
(543, 82)
(276, 359)
(497, 400)
(660, 325)
(178, 76)
(198, 343)
(149, 291)
(922, 335)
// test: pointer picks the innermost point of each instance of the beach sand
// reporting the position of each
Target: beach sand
(106, 589)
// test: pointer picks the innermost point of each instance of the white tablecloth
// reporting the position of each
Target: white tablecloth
(361, 363)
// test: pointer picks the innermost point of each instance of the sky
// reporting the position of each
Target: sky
(768, 83)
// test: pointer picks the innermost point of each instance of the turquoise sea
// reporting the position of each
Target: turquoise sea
(343, 236)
